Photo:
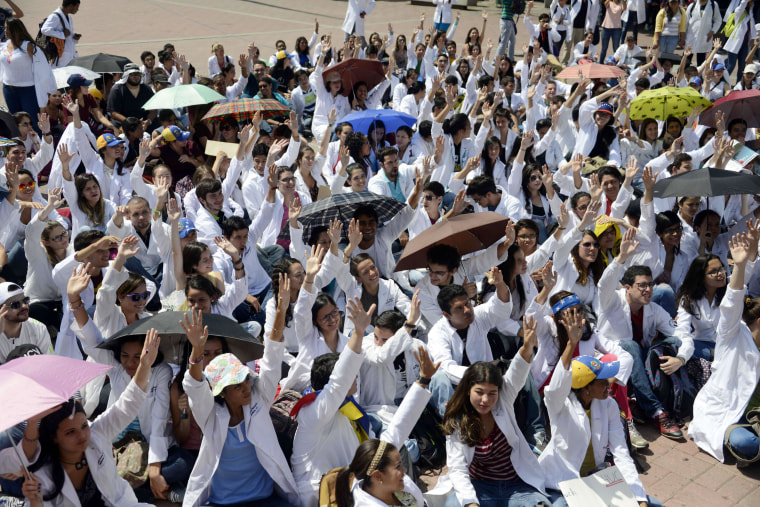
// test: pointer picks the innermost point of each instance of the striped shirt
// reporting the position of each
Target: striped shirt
(492, 460)
(506, 9)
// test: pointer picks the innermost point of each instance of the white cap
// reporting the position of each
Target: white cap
(9, 290)
(752, 67)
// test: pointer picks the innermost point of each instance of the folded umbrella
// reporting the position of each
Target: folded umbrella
(591, 71)
(245, 109)
(30, 385)
(707, 182)
(182, 96)
(744, 104)
(62, 74)
(102, 63)
(173, 338)
(667, 101)
(361, 120)
(355, 70)
(467, 233)
(342, 207)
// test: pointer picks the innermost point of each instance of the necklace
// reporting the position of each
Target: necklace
(79, 464)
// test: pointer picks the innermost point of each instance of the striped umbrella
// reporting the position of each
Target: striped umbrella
(244, 109)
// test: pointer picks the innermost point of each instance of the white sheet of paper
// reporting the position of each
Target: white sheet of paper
(605, 488)
(214, 147)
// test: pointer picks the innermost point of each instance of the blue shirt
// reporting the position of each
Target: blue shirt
(395, 188)
(239, 477)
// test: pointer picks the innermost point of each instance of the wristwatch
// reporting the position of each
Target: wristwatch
(411, 329)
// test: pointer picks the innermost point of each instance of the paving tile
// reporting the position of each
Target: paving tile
(715, 477)
(739, 487)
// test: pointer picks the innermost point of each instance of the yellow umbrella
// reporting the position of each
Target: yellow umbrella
(667, 101)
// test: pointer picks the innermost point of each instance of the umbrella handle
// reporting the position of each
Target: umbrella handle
(18, 453)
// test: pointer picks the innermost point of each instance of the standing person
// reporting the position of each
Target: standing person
(443, 17)
(612, 26)
(354, 21)
(703, 22)
(583, 14)
(507, 30)
(738, 43)
(61, 26)
(24, 71)
(633, 16)
(670, 28)
(561, 22)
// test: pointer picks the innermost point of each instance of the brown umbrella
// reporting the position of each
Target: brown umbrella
(467, 233)
(355, 70)
(591, 71)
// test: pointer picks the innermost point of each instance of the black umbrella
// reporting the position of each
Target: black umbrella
(173, 338)
(8, 127)
(102, 63)
(342, 207)
(673, 57)
(707, 182)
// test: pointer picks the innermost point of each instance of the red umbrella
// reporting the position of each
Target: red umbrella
(467, 233)
(591, 71)
(355, 70)
(744, 104)
(244, 109)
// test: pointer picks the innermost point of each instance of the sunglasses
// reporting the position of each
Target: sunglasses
(534, 178)
(24, 186)
(645, 285)
(140, 296)
(589, 244)
(17, 304)
(112, 253)
(227, 127)
(287, 180)
(428, 197)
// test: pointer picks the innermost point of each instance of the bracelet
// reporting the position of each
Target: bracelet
(157, 211)
(423, 381)
(239, 261)
(682, 360)
(192, 361)
(239, 269)
(73, 309)
(561, 228)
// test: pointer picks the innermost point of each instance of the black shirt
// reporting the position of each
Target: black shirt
(123, 102)
(580, 19)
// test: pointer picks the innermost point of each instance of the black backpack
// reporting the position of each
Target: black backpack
(284, 425)
(518, 7)
(430, 439)
(45, 44)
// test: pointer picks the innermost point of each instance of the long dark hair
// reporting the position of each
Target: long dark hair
(507, 268)
(323, 299)
(693, 288)
(527, 170)
(191, 256)
(460, 414)
(96, 214)
(562, 338)
(363, 458)
(596, 268)
(49, 454)
(456, 123)
(489, 166)
(282, 268)
(17, 33)
(355, 143)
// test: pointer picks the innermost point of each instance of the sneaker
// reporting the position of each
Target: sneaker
(176, 495)
(638, 415)
(637, 441)
(667, 427)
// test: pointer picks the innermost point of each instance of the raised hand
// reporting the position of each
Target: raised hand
(530, 339)
(314, 261)
(358, 316)
(588, 216)
(548, 275)
(294, 211)
(196, 333)
(128, 247)
(628, 245)
(43, 122)
(63, 153)
(427, 368)
(739, 247)
(354, 233)
(150, 348)
(173, 211)
(574, 321)
(283, 293)
(227, 247)
(79, 281)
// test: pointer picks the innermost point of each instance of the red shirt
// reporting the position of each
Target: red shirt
(493, 458)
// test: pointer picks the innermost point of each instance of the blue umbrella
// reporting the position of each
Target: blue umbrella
(361, 120)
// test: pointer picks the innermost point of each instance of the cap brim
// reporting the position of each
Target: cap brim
(608, 370)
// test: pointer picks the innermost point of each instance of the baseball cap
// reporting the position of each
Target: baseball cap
(9, 290)
(586, 369)
(185, 227)
(96, 93)
(225, 370)
(25, 350)
(130, 68)
(695, 80)
(75, 80)
(609, 59)
(719, 66)
(281, 55)
(160, 77)
(174, 133)
(605, 107)
(108, 140)
(751, 68)
(630, 36)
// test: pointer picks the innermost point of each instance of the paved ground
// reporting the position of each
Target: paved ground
(677, 473)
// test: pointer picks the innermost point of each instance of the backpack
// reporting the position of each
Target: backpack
(518, 7)
(430, 440)
(732, 25)
(284, 425)
(46, 44)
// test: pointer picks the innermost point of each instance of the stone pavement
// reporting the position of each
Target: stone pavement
(675, 472)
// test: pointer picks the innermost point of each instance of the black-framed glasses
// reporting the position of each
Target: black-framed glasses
(332, 315)
(436, 273)
(716, 272)
(288, 180)
(64, 234)
(138, 296)
(18, 304)
(642, 286)
(674, 230)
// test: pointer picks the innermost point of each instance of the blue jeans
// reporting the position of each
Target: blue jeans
(269, 255)
(441, 390)
(744, 441)
(633, 24)
(704, 350)
(22, 98)
(645, 397)
(507, 494)
(668, 44)
(664, 295)
(16, 433)
(609, 34)
(508, 31)
(15, 269)
(245, 312)
(178, 465)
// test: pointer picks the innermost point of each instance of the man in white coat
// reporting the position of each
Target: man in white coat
(702, 23)
(60, 25)
(354, 21)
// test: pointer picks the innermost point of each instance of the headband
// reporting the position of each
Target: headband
(377, 457)
(566, 302)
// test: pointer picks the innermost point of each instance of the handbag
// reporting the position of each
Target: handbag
(131, 456)
(753, 423)
(732, 25)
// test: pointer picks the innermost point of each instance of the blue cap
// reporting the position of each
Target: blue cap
(174, 133)
(719, 66)
(695, 80)
(76, 80)
(185, 227)
(610, 59)
(108, 140)
(605, 107)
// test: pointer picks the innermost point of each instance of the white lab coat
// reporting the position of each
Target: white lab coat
(353, 22)
(572, 432)
(214, 419)
(737, 8)
(700, 21)
(592, 13)
(52, 27)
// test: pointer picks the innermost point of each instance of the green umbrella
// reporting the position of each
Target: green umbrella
(667, 101)
(181, 96)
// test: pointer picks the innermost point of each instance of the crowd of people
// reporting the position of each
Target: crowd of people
(599, 308)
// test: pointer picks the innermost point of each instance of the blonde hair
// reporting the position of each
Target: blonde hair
(215, 46)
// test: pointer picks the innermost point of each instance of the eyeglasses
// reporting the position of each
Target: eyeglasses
(17, 304)
(673, 230)
(330, 316)
(534, 178)
(288, 180)
(428, 197)
(24, 186)
(717, 272)
(137, 297)
(527, 237)
(64, 234)
(589, 244)
(644, 286)
(436, 273)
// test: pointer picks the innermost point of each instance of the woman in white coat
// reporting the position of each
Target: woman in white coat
(490, 462)
(329, 95)
(585, 420)
(737, 49)
(76, 460)
(355, 15)
(240, 460)
(729, 393)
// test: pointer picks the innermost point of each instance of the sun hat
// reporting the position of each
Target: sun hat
(586, 369)
(225, 370)
(130, 68)
(108, 140)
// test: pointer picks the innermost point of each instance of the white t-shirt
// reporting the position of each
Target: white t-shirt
(32, 332)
